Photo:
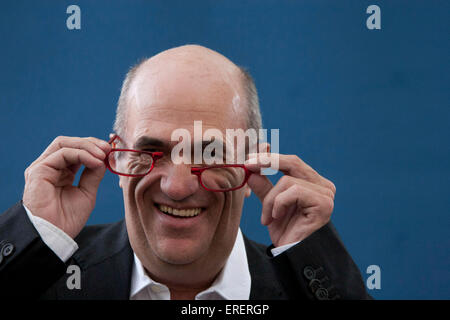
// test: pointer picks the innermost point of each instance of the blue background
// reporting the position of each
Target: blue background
(368, 109)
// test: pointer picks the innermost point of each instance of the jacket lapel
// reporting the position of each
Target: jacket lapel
(265, 283)
(105, 266)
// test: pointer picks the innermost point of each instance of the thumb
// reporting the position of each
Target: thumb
(260, 185)
(90, 179)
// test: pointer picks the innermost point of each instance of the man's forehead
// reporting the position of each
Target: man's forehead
(212, 115)
(162, 122)
(183, 84)
(177, 72)
(180, 101)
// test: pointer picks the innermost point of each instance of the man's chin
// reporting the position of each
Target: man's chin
(180, 251)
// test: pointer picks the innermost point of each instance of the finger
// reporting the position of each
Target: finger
(258, 161)
(267, 193)
(74, 168)
(71, 158)
(98, 148)
(268, 201)
(288, 180)
(260, 185)
(102, 144)
(298, 190)
(292, 199)
(297, 212)
(290, 165)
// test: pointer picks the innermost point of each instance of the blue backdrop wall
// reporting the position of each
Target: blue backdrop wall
(368, 109)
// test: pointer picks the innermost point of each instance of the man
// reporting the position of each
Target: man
(179, 240)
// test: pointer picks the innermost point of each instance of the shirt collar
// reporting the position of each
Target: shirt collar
(232, 283)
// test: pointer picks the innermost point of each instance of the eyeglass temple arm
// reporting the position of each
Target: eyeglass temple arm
(113, 138)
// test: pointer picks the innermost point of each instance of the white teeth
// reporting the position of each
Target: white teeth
(179, 212)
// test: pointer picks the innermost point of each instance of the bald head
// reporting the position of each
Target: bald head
(195, 59)
(189, 76)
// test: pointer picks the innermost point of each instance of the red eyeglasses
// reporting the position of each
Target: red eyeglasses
(137, 163)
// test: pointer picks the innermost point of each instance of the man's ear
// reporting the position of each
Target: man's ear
(113, 164)
(248, 191)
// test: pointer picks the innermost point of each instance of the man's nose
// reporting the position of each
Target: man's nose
(179, 183)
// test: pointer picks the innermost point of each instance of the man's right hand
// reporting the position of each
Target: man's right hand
(49, 193)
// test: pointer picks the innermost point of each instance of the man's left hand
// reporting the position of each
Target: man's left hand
(300, 203)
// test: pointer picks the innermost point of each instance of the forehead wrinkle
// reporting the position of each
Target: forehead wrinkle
(185, 117)
(210, 102)
(153, 110)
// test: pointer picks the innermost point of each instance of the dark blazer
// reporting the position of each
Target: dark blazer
(319, 267)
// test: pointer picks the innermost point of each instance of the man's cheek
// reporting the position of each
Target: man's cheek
(131, 186)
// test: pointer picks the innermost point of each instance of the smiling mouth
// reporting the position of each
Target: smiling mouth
(180, 213)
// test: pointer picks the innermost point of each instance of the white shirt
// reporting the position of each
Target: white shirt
(232, 283)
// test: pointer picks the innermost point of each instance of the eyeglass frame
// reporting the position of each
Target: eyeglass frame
(156, 155)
